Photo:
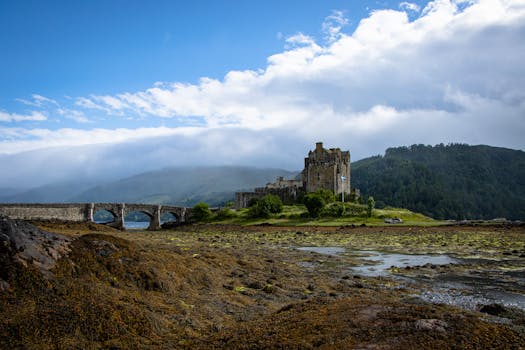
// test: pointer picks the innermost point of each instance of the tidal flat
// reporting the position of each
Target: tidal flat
(260, 287)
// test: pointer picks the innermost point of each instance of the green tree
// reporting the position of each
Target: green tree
(266, 206)
(335, 210)
(315, 203)
(370, 206)
(201, 212)
(327, 195)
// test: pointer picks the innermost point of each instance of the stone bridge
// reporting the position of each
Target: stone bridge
(83, 212)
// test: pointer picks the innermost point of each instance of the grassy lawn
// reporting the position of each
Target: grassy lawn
(297, 215)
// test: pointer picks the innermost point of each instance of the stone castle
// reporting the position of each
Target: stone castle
(327, 169)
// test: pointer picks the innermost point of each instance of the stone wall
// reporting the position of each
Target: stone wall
(242, 199)
(67, 212)
(282, 183)
(288, 195)
(323, 169)
(81, 212)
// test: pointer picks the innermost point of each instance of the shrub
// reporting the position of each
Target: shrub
(370, 206)
(327, 195)
(201, 212)
(335, 210)
(224, 213)
(267, 205)
(352, 209)
(315, 203)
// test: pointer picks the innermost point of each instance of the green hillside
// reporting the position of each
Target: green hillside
(456, 181)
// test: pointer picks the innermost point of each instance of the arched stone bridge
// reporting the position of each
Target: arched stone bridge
(83, 212)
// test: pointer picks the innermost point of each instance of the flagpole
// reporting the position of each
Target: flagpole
(343, 178)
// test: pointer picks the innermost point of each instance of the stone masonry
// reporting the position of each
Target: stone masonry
(83, 212)
(323, 169)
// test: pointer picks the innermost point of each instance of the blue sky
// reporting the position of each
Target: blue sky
(77, 48)
(150, 84)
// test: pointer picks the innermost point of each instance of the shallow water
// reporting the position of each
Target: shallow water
(479, 287)
(136, 225)
(132, 225)
(470, 291)
(383, 261)
(323, 250)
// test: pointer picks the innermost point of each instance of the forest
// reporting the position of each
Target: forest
(454, 181)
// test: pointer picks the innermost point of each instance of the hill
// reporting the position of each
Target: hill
(455, 181)
(184, 186)
(52, 193)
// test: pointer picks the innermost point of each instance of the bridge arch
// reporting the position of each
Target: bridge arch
(115, 209)
(104, 216)
(135, 219)
(82, 212)
(169, 216)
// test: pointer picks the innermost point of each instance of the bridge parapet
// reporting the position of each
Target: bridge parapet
(55, 211)
(80, 212)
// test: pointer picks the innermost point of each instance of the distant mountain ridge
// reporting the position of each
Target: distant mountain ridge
(455, 181)
(183, 186)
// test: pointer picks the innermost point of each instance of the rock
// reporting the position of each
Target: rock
(393, 221)
(431, 325)
(493, 309)
(23, 243)
(4, 285)
(228, 286)
(255, 285)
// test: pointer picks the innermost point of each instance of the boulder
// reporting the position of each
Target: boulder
(26, 244)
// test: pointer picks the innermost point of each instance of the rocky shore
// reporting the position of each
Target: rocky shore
(67, 286)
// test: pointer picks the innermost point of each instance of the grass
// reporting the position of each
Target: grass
(297, 215)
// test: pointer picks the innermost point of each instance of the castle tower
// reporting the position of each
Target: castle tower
(324, 169)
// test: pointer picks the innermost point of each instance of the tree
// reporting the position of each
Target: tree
(315, 203)
(267, 205)
(335, 210)
(201, 212)
(327, 195)
(370, 206)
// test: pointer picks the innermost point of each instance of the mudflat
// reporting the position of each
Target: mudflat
(263, 287)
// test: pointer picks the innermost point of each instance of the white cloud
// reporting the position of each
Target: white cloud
(34, 139)
(333, 25)
(409, 6)
(453, 74)
(388, 61)
(72, 114)
(14, 117)
(38, 101)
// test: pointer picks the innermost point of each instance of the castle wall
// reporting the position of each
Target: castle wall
(242, 199)
(287, 195)
(323, 169)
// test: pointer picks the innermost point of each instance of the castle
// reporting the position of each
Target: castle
(327, 169)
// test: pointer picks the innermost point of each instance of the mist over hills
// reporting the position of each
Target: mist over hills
(53, 193)
(183, 186)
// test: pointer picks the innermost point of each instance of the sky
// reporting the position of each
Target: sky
(107, 89)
